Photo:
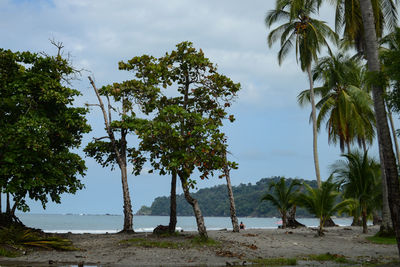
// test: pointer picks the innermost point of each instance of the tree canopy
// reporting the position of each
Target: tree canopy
(38, 128)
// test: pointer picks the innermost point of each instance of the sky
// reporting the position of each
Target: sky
(271, 136)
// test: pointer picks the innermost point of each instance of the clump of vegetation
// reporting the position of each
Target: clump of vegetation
(189, 242)
(327, 257)
(20, 238)
(382, 240)
(276, 261)
(8, 253)
(201, 241)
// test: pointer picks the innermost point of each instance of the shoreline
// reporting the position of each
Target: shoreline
(249, 244)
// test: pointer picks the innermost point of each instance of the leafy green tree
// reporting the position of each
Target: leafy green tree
(344, 105)
(322, 201)
(39, 126)
(359, 177)
(308, 35)
(113, 149)
(282, 197)
(185, 134)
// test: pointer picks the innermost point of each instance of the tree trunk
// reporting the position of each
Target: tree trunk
(128, 216)
(386, 226)
(235, 224)
(291, 221)
(201, 227)
(364, 220)
(314, 123)
(120, 157)
(396, 144)
(356, 221)
(321, 227)
(284, 219)
(8, 208)
(172, 213)
(376, 219)
(384, 138)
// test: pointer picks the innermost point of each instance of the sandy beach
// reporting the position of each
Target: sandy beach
(233, 249)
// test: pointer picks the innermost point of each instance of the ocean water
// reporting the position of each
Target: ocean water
(82, 223)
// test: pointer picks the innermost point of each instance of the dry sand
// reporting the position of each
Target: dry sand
(235, 248)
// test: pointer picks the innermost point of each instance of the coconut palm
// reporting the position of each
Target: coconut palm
(349, 20)
(282, 196)
(367, 14)
(308, 35)
(359, 176)
(322, 201)
(384, 139)
(344, 105)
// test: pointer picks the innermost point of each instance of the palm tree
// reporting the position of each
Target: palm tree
(349, 20)
(282, 197)
(308, 35)
(384, 138)
(359, 176)
(322, 201)
(374, 15)
(346, 108)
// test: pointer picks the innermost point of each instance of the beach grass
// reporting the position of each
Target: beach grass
(382, 240)
(7, 253)
(328, 257)
(275, 261)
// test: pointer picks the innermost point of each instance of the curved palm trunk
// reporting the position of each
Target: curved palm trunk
(384, 138)
(201, 227)
(172, 213)
(235, 224)
(314, 122)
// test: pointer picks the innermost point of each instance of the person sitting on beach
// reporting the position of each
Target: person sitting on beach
(242, 226)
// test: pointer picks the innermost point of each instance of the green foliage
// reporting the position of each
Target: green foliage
(38, 128)
(345, 104)
(275, 261)
(213, 201)
(299, 30)
(391, 67)
(282, 197)
(322, 201)
(23, 237)
(359, 176)
(185, 132)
